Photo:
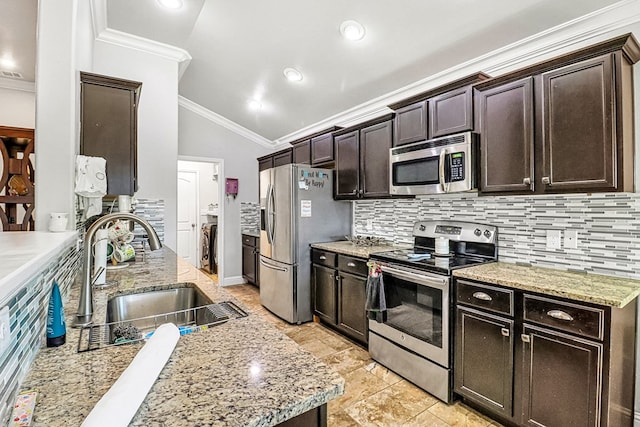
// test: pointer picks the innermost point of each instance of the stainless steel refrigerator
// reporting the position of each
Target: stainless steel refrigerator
(296, 209)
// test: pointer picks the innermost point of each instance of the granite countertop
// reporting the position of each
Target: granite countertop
(251, 232)
(593, 288)
(347, 248)
(244, 372)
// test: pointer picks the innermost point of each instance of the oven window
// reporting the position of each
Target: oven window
(416, 172)
(414, 309)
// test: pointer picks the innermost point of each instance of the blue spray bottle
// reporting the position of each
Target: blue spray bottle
(56, 327)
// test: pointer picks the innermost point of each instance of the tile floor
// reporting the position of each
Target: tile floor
(374, 396)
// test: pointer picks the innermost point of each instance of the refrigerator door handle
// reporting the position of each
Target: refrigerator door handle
(273, 267)
(267, 216)
(272, 214)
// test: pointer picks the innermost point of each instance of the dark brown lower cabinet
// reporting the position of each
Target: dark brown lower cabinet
(562, 379)
(250, 259)
(484, 359)
(339, 293)
(324, 293)
(527, 359)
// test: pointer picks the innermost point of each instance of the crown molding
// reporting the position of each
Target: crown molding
(568, 36)
(223, 121)
(102, 33)
(14, 84)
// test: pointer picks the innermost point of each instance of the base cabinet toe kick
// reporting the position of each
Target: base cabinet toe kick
(535, 360)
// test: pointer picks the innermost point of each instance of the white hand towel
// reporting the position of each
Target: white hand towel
(91, 184)
(119, 405)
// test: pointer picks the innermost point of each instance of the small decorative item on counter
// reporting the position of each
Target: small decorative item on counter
(365, 241)
(23, 409)
(56, 327)
(58, 221)
(17, 186)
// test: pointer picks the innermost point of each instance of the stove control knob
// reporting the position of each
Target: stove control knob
(487, 233)
(477, 232)
(422, 228)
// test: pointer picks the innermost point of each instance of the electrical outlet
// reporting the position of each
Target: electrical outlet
(571, 239)
(5, 329)
(369, 224)
(554, 239)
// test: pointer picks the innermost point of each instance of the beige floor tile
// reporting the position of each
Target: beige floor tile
(459, 415)
(424, 419)
(394, 405)
(348, 360)
(341, 419)
(383, 373)
(359, 384)
(318, 348)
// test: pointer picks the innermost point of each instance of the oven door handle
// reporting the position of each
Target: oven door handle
(421, 279)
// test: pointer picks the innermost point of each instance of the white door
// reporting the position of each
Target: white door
(187, 232)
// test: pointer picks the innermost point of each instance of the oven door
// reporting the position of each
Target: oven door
(417, 316)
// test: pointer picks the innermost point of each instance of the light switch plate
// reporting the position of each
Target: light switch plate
(5, 329)
(571, 239)
(554, 239)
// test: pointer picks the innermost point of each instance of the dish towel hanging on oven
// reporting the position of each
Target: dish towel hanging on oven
(376, 304)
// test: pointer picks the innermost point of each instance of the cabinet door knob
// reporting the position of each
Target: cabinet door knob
(526, 181)
(322, 257)
(525, 338)
(546, 180)
(560, 315)
(482, 296)
(355, 191)
(331, 276)
(504, 332)
(350, 264)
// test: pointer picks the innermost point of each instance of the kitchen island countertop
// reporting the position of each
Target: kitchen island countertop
(244, 372)
(592, 288)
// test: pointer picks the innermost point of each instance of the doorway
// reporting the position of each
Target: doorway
(200, 214)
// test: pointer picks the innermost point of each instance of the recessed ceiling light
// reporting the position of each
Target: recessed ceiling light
(7, 62)
(352, 30)
(171, 4)
(254, 104)
(292, 74)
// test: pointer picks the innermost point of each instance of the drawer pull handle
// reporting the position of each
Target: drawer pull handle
(525, 338)
(350, 264)
(526, 181)
(504, 332)
(546, 180)
(322, 257)
(482, 296)
(560, 315)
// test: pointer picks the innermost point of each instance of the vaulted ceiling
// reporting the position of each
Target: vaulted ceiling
(240, 48)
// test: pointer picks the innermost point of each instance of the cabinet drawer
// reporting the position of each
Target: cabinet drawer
(485, 297)
(574, 318)
(352, 265)
(249, 240)
(323, 257)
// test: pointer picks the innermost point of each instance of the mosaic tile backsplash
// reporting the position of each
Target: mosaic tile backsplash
(249, 216)
(28, 317)
(608, 226)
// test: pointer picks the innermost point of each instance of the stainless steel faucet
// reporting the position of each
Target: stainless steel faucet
(84, 316)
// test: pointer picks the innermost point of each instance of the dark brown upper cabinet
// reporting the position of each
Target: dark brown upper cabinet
(441, 111)
(302, 152)
(322, 149)
(563, 125)
(506, 136)
(362, 160)
(283, 157)
(109, 116)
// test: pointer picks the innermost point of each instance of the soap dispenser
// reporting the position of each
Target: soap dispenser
(56, 327)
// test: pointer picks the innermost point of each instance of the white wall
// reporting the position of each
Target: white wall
(199, 137)
(157, 121)
(17, 108)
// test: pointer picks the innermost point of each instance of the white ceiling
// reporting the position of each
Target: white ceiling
(239, 48)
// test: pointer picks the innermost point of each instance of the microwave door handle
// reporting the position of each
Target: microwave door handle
(443, 155)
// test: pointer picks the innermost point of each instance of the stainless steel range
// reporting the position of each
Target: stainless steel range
(414, 336)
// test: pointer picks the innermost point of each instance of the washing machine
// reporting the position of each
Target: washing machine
(209, 256)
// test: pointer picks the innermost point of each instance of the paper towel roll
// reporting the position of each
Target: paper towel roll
(442, 246)
(100, 255)
(119, 405)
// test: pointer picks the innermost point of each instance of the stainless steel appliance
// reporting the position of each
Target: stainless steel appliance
(415, 337)
(441, 165)
(209, 255)
(296, 209)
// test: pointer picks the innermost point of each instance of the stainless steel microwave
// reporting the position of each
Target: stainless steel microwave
(440, 165)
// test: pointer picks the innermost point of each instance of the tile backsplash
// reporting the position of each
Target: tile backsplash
(28, 317)
(249, 216)
(608, 226)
